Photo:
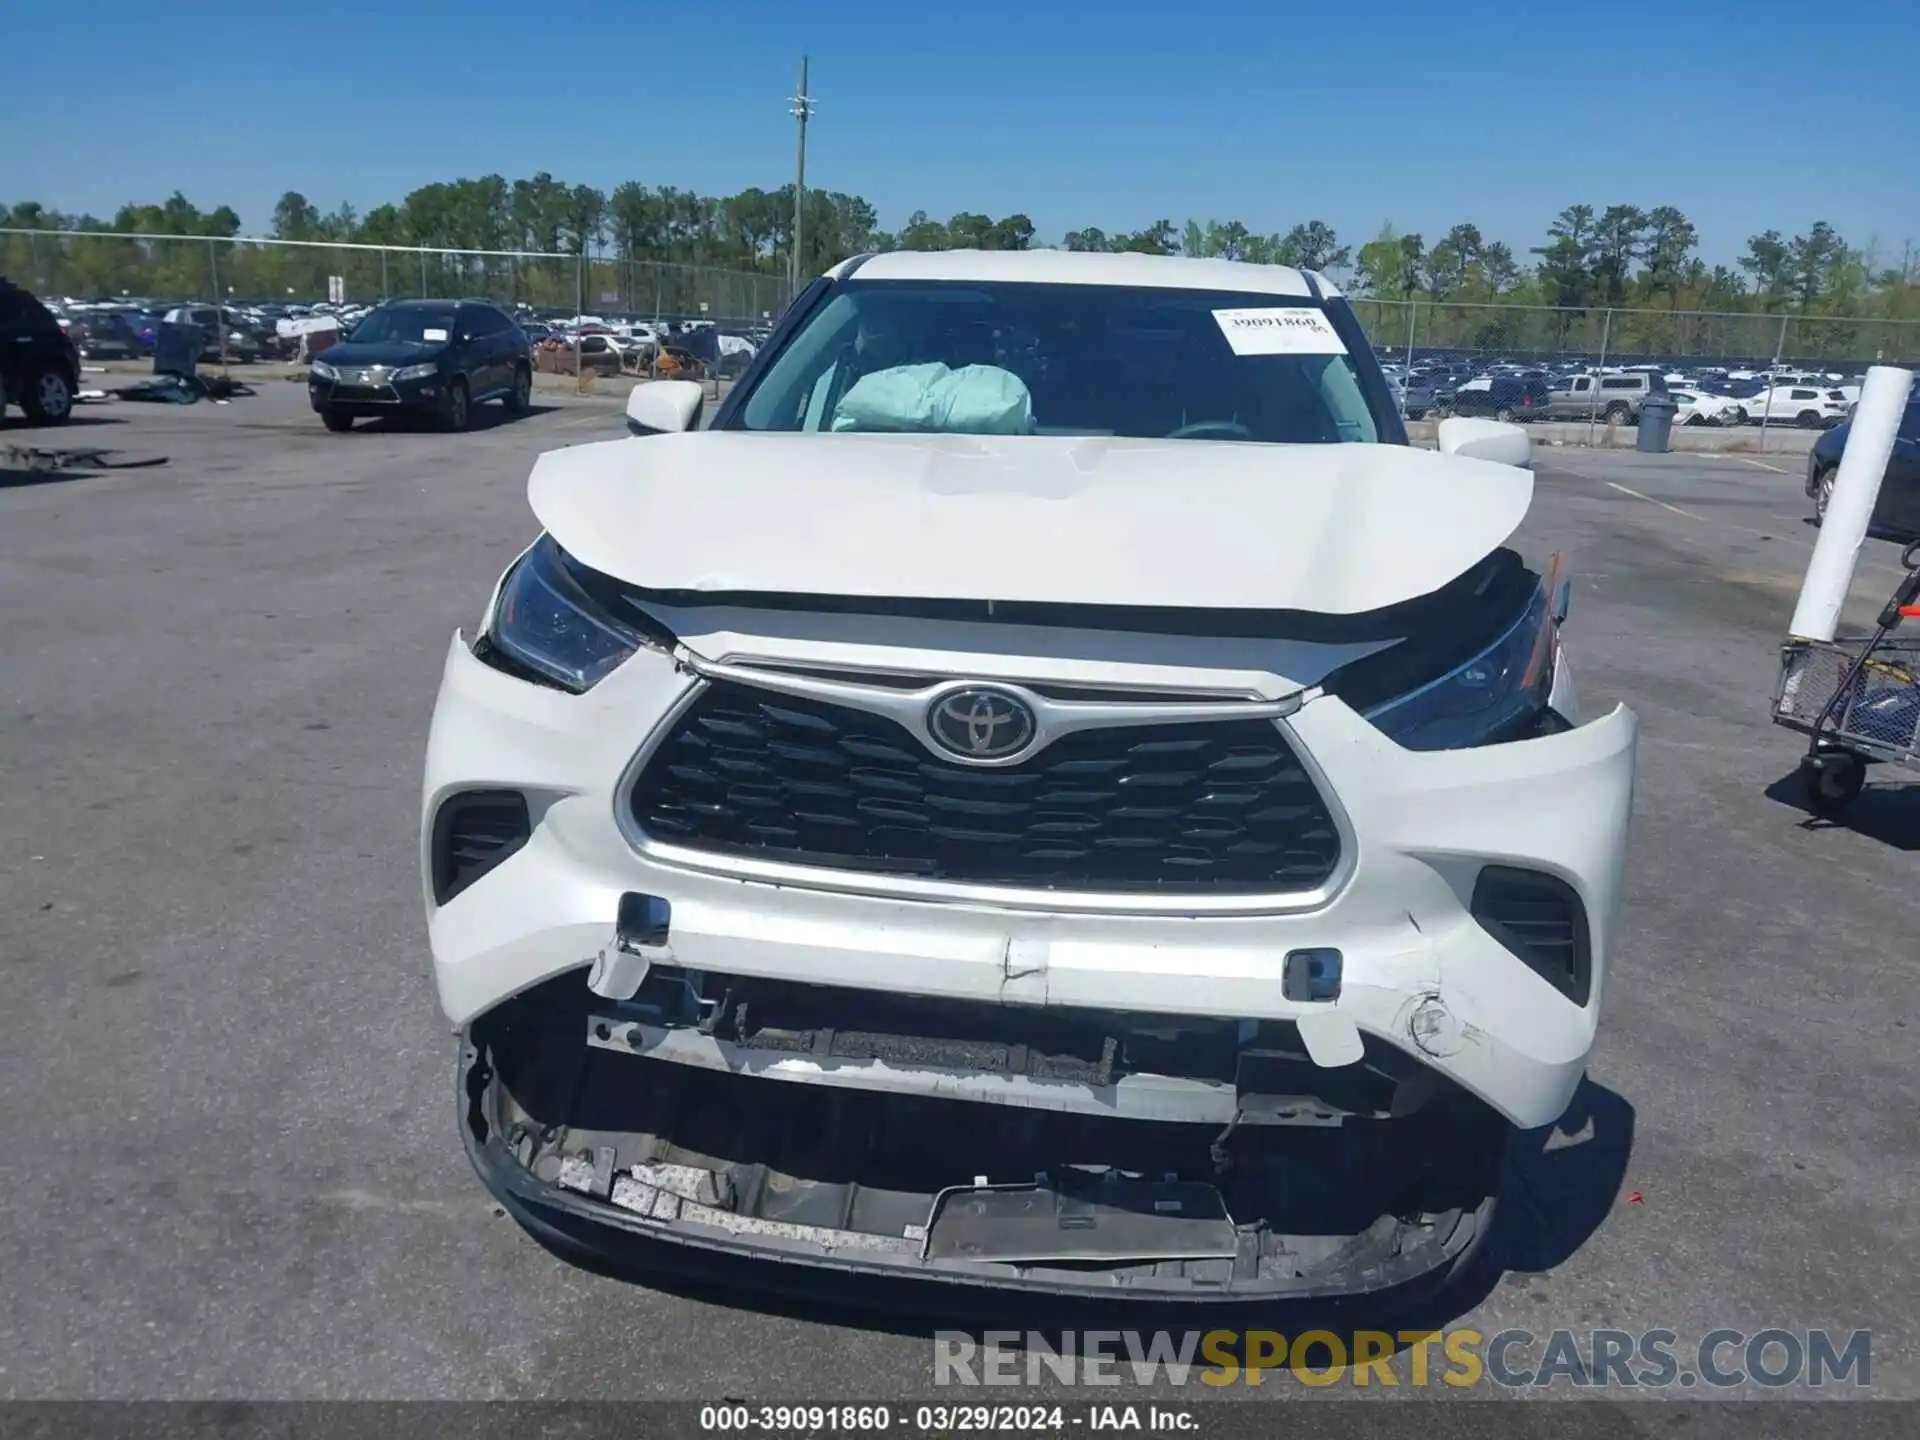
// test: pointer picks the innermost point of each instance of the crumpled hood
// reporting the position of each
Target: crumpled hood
(1337, 529)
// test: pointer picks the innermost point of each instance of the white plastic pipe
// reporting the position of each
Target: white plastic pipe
(1863, 465)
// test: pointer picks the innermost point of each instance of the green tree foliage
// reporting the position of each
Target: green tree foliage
(1313, 246)
(633, 241)
(1157, 239)
(1390, 265)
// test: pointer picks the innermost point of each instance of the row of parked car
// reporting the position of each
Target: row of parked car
(1616, 394)
(437, 359)
(126, 329)
(630, 344)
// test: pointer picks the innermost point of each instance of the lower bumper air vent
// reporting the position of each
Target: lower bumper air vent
(472, 833)
(1541, 920)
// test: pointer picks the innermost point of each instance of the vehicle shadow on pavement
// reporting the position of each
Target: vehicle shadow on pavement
(12, 479)
(1562, 1182)
(1887, 813)
(17, 428)
(482, 417)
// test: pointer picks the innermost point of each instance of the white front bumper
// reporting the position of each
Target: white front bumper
(1422, 824)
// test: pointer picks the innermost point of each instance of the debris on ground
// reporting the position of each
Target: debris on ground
(33, 457)
(185, 389)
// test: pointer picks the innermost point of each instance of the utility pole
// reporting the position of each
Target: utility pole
(802, 109)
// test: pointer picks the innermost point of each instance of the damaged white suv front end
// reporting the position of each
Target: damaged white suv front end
(1105, 836)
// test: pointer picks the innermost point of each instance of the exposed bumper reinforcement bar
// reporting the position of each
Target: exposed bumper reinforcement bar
(1130, 1097)
(1064, 1238)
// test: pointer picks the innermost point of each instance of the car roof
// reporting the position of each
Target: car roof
(1077, 267)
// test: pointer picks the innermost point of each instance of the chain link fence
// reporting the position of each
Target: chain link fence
(1626, 335)
(104, 265)
(107, 265)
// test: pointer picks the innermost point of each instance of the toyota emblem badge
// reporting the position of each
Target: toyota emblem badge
(981, 724)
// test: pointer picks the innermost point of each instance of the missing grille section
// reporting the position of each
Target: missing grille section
(1216, 807)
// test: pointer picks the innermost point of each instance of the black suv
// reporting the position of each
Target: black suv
(39, 368)
(104, 335)
(1505, 397)
(437, 358)
(1896, 512)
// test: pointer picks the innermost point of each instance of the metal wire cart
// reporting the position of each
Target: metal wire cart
(1856, 699)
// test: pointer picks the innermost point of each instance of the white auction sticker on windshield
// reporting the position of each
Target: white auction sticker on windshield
(432, 335)
(1280, 330)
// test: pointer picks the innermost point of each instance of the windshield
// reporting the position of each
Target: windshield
(1019, 359)
(406, 325)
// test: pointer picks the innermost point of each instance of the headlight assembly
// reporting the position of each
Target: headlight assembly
(414, 372)
(548, 621)
(1494, 696)
(320, 370)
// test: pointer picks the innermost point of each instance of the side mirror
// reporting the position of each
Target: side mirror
(1486, 440)
(664, 407)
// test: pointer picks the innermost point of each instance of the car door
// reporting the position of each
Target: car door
(470, 351)
(483, 349)
(502, 348)
(1898, 508)
(517, 344)
(503, 341)
(1574, 401)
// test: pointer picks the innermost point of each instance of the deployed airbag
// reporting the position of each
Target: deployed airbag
(931, 398)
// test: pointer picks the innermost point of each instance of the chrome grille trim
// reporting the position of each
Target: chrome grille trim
(1007, 897)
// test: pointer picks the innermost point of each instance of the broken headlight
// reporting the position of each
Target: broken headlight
(1497, 695)
(554, 618)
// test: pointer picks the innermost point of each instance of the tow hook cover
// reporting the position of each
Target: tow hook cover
(640, 932)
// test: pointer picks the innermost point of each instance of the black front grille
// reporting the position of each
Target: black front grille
(1219, 807)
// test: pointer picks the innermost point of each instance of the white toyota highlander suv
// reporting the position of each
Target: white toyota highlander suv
(1048, 792)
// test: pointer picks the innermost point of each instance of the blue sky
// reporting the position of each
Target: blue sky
(1746, 115)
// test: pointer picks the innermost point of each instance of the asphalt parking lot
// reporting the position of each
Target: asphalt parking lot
(214, 693)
